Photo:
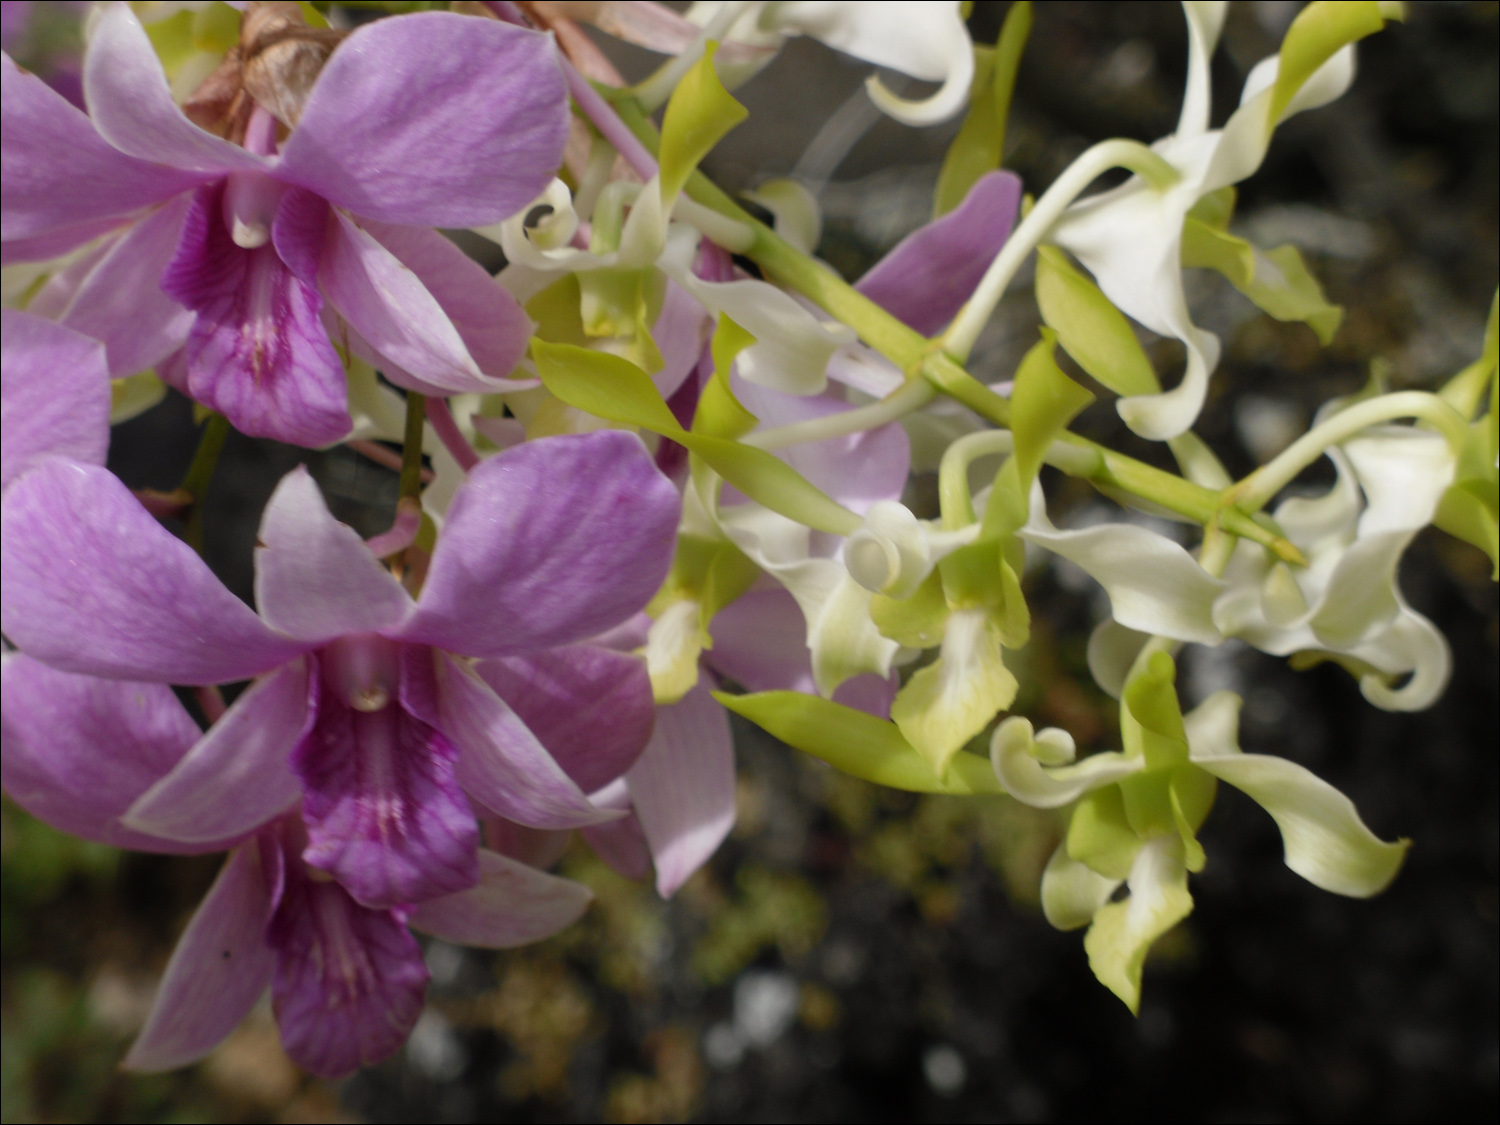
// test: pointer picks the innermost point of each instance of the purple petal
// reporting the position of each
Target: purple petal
(535, 847)
(54, 393)
(384, 812)
(503, 767)
(492, 324)
(78, 750)
(590, 707)
(121, 301)
(314, 577)
(548, 543)
(392, 311)
(620, 843)
(680, 333)
(93, 584)
(931, 272)
(300, 233)
(434, 120)
(349, 981)
(237, 777)
(59, 177)
(131, 104)
(221, 965)
(683, 786)
(512, 905)
(43, 247)
(856, 470)
(760, 642)
(258, 351)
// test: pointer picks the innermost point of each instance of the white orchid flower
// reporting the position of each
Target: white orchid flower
(1139, 811)
(1345, 605)
(1131, 238)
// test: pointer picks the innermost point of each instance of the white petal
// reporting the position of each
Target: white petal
(1072, 892)
(1016, 756)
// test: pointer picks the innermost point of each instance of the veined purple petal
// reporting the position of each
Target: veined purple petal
(760, 642)
(492, 324)
(590, 707)
(857, 469)
(78, 750)
(54, 393)
(387, 304)
(384, 812)
(502, 765)
(131, 104)
(620, 843)
(512, 905)
(548, 543)
(314, 577)
(43, 247)
(434, 120)
(300, 232)
(221, 965)
(59, 177)
(683, 786)
(931, 272)
(238, 775)
(349, 981)
(93, 584)
(257, 351)
(121, 301)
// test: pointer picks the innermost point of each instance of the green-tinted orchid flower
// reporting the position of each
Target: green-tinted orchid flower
(1138, 811)
(1136, 238)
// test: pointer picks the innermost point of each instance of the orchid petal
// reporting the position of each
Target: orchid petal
(314, 577)
(237, 776)
(222, 963)
(93, 584)
(121, 301)
(435, 119)
(1205, 19)
(60, 178)
(1073, 892)
(792, 347)
(951, 700)
(590, 707)
(1122, 932)
(258, 351)
(512, 905)
(54, 391)
(492, 324)
(1411, 644)
(390, 308)
(683, 786)
(1326, 841)
(548, 543)
(349, 982)
(1154, 586)
(502, 765)
(925, 40)
(131, 103)
(78, 750)
(620, 843)
(1111, 654)
(1028, 776)
(929, 274)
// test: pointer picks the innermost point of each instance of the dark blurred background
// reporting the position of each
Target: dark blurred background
(857, 954)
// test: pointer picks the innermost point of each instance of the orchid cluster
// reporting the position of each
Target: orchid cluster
(651, 474)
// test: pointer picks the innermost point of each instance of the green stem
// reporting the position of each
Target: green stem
(411, 445)
(201, 472)
(958, 340)
(1013, 35)
(1257, 490)
(918, 357)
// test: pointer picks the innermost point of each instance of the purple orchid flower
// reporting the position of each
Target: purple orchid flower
(347, 981)
(228, 253)
(359, 708)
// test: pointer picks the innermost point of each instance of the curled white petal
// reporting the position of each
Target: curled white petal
(1073, 892)
(1018, 757)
